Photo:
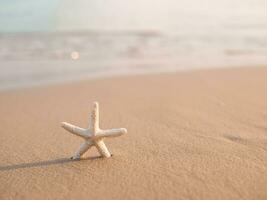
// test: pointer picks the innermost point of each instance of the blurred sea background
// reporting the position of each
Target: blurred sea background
(48, 41)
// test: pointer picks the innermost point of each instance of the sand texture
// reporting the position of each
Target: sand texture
(191, 135)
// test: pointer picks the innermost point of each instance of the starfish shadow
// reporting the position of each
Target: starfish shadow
(45, 163)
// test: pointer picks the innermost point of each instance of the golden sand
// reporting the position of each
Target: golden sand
(191, 135)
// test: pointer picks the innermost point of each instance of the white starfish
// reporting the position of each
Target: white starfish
(93, 135)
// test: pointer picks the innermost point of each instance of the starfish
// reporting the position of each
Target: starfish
(93, 136)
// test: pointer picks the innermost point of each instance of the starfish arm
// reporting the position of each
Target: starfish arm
(94, 120)
(101, 147)
(75, 130)
(112, 132)
(83, 148)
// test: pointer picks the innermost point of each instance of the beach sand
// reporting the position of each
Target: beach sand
(191, 135)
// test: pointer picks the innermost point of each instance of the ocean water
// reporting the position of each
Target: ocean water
(49, 41)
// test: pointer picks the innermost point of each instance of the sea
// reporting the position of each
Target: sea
(54, 41)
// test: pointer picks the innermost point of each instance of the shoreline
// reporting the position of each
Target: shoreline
(44, 58)
(109, 75)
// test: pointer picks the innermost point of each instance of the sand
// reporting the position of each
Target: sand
(191, 135)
